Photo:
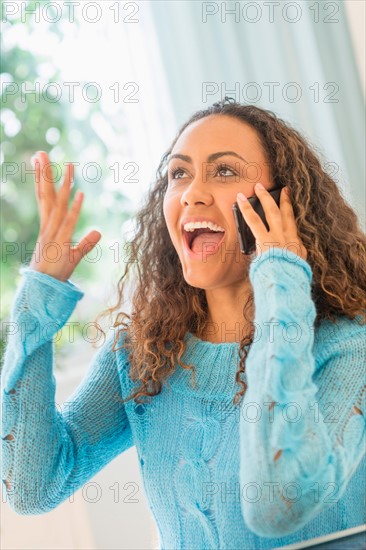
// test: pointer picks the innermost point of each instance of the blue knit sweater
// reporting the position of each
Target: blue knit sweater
(286, 465)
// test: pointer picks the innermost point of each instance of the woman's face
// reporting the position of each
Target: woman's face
(202, 187)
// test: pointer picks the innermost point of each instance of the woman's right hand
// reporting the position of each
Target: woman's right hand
(53, 253)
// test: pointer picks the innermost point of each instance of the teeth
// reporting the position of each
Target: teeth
(191, 226)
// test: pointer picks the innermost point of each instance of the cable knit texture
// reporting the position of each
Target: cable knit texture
(286, 465)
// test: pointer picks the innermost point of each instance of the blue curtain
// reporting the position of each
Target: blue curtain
(294, 58)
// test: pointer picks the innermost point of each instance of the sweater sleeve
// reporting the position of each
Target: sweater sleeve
(302, 421)
(50, 451)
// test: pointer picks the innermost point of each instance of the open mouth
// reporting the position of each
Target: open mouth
(203, 239)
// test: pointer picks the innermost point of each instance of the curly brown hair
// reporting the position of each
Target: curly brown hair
(327, 226)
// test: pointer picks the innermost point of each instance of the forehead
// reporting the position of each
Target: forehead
(218, 133)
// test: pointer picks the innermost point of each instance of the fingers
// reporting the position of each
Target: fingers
(45, 190)
(281, 220)
(47, 198)
(251, 217)
(60, 206)
(277, 216)
(67, 227)
(58, 222)
(48, 192)
(271, 210)
(86, 245)
(288, 217)
(37, 177)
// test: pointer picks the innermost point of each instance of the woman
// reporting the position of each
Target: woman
(265, 444)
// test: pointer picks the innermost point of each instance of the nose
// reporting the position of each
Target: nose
(196, 193)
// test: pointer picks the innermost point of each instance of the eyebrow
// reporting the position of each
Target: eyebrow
(210, 158)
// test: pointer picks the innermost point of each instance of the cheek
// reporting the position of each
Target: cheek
(171, 212)
(227, 209)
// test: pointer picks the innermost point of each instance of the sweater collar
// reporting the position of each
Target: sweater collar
(216, 366)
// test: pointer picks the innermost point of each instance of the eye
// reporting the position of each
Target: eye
(222, 167)
(174, 171)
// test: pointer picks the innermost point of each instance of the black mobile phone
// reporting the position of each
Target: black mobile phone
(246, 237)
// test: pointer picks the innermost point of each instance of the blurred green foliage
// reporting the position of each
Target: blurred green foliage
(34, 122)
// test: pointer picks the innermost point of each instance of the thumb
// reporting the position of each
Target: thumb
(86, 244)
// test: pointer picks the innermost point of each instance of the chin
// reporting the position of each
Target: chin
(196, 276)
(208, 276)
(202, 285)
(201, 278)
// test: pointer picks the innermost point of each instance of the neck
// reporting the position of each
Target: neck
(226, 320)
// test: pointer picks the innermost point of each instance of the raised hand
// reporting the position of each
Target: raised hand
(282, 232)
(54, 253)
